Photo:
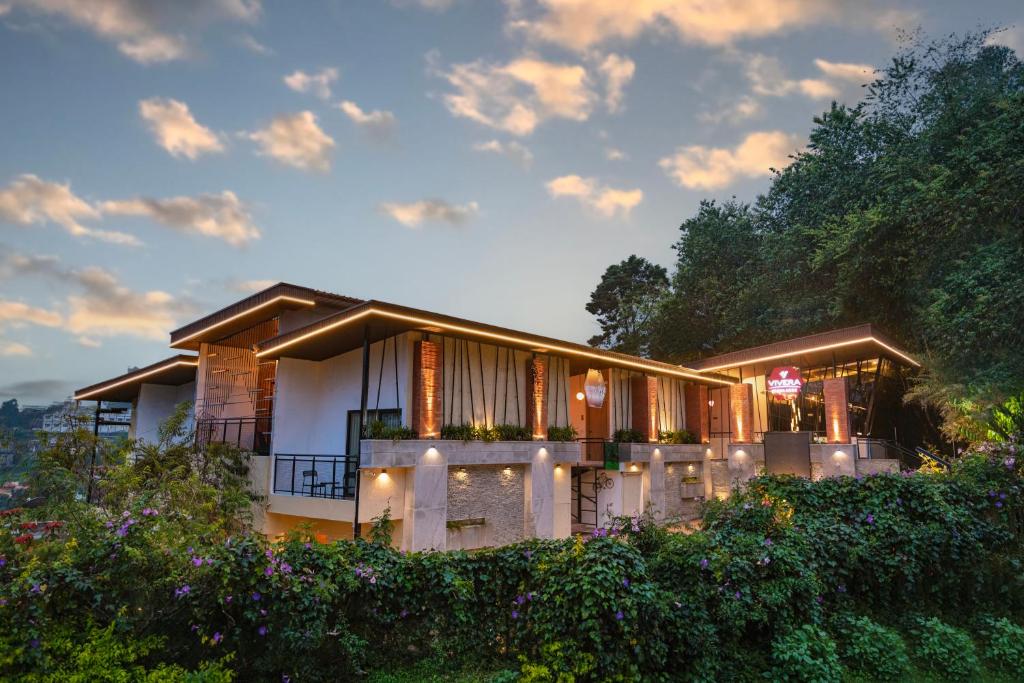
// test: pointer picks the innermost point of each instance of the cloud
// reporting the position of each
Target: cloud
(617, 72)
(37, 390)
(1012, 38)
(30, 200)
(222, 216)
(844, 71)
(318, 84)
(254, 46)
(746, 107)
(614, 154)
(607, 201)
(584, 24)
(296, 140)
(512, 149)
(99, 305)
(378, 124)
(147, 31)
(175, 129)
(432, 5)
(20, 313)
(89, 342)
(767, 77)
(517, 96)
(10, 348)
(250, 286)
(712, 168)
(412, 214)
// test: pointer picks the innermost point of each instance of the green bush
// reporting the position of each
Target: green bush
(872, 650)
(677, 436)
(628, 436)
(379, 430)
(943, 649)
(499, 432)
(562, 433)
(806, 654)
(1004, 645)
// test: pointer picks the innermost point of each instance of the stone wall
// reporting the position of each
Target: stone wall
(495, 493)
(681, 500)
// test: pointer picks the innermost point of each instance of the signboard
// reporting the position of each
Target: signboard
(785, 383)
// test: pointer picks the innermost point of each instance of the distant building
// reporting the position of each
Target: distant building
(67, 416)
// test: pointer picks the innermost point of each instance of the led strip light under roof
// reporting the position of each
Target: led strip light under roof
(493, 335)
(133, 378)
(825, 347)
(305, 302)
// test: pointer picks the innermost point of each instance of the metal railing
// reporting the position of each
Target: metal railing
(869, 448)
(249, 433)
(316, 476)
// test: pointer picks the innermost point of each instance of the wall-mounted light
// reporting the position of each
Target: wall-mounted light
(634, 468)
(580, 396)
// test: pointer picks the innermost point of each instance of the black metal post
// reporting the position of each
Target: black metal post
(95, 446)
(363, 397)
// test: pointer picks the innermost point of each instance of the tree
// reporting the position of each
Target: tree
(625, 303)
(9, 413)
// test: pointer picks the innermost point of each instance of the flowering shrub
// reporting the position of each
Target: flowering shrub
(774, 586)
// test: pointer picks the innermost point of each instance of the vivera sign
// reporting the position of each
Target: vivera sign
(785, 383)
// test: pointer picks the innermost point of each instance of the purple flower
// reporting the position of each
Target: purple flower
(263, 612)
(228, 600)
(515, 614)
(149, 512)
(767, 541)
(999, 503)
(1010, 462)
(527, 554)
(256, 596)
(738, 595)
(625, 582)
(841, 588)
(262, 630)
(619, 616)
(35, 588)
(197, 562)
(286, 568)
(3, 561)
(194, 628)
(704, 563)
(520, 599)
(269, 571)
(217, 637)
(403, 614)
(870, 519)
(819, 599)
(183, 591)
(373, 579)
(34, 643)
(1002, 496)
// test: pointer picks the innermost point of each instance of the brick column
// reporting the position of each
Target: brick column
(696, 398)
(536, 399)
(741, 409)
(643, 396)
(837, 410)
(427, 392)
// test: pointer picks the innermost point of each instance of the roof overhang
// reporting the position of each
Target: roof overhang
(843, 345)
(376, 320)
(173, 371)
(251, 310)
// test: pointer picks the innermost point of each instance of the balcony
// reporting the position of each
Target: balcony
(247, 433)
(331, 477)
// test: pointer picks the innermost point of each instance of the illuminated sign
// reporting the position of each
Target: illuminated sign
(595, 388)
(785, 383)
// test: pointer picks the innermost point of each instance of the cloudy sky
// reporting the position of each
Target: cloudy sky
(484, 159)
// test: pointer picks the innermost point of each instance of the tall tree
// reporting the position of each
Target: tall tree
(625, 302)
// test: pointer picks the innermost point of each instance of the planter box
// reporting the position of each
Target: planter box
(385, 453)
(669, 452)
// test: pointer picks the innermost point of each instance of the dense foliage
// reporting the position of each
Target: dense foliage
(160, 579)
(904, 210)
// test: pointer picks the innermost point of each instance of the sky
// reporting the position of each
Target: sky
(159, 160)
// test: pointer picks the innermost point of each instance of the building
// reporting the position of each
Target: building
(319, 385)
(67, 416)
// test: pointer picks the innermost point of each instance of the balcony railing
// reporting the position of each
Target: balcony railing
(315, 476)
(248, 433)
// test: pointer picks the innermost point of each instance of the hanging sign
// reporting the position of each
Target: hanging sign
(785, 383)
(595, 388)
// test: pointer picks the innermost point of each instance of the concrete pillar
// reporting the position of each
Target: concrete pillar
(536, 398)
(428, 393)
(837, 410)
(643, 396)
(696, 398)
(741, 409)
(654, 484)
(542, 494)
(425, 517)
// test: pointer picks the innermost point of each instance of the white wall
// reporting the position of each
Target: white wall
(313, 397)
(156, 403)
(475, 393)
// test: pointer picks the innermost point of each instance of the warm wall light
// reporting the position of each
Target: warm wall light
(580, 396)
(634, 468)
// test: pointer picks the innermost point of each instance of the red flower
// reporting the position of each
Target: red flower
(52, 526)
(24, 538)
(12, 511)
(29, 525)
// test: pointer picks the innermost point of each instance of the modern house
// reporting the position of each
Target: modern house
(476, 435)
